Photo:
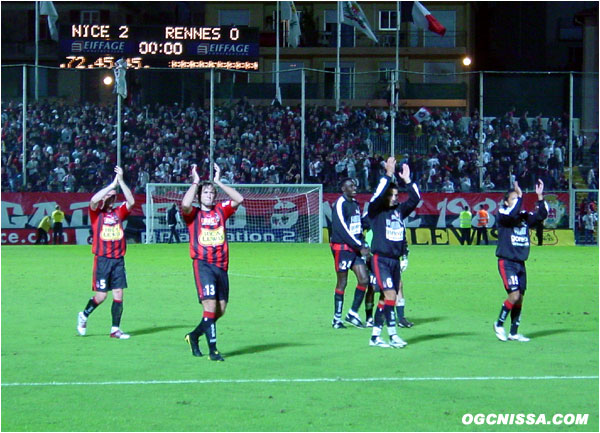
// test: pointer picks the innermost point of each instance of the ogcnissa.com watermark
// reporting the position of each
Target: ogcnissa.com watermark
(525, 419)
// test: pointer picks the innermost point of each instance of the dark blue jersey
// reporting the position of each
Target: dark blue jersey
(387, 223)
(346, 226)
(513, 229)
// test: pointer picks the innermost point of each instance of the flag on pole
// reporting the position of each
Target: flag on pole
(416, 13)
(353, 15)
(294, 27)
(47, 8)
(120, 84)
(421, 115)
(290, 13)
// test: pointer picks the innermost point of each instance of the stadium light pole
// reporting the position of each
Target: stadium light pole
(302, 124)
(211, 137)
(393, 115)
(37, 43)
(480, 129)
(571, 195)
(107, 80)
(24, 126)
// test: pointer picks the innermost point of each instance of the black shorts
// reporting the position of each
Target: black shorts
(108, 274)
(212, 282)
(387, 272)
(513, 274)
(372, 279)
(345, 259)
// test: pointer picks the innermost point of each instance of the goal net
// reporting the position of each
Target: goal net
(270, 213)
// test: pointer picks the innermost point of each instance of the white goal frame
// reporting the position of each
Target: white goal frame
(156, 225)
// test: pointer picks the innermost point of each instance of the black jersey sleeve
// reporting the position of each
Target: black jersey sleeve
(377, 202)
(509, 216)
(540, 215)
(410, 204)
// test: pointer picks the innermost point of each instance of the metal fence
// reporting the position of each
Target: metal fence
(375, 114)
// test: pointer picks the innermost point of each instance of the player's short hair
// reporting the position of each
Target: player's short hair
(344, 180)
(205, 184)
(507, 195)
(388, 191)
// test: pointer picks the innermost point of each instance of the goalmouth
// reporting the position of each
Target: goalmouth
(291, 213)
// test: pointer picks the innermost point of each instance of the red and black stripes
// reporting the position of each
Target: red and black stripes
(208, 234)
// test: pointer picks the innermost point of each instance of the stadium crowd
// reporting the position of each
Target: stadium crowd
(73, 147)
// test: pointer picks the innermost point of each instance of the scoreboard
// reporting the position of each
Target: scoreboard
(86, 46)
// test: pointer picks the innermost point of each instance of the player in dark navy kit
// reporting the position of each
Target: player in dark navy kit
(512, 252)
(348, 248)
(210, 254)
(389, 239)
(108, 246)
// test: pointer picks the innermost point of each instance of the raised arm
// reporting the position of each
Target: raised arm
(378, 199)
(509, 216)
(414, 197)
(188, 198)
(97, 198)
(126, 191)
(542, 209)
(236, 197)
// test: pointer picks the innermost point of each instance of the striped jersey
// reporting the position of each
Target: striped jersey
(208, 235)
(108, 236)
(346, 227)
(387, 223)
(513, 230)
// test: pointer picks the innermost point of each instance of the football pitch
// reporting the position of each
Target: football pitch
(286, 369)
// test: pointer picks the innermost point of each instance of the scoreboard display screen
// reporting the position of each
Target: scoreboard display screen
(87, 46)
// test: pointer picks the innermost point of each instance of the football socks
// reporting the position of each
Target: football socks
(116, 311)
(515, 318)
(359, 295)
(390, 316)
(369, 310)
(91, 306)
(210, 329)
(400, 308)
(338, 302)
(506, 307)
(379, 317)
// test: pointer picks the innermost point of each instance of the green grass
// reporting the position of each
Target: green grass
(278, 327)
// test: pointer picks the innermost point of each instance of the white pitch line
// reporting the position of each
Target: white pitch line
(309, 380)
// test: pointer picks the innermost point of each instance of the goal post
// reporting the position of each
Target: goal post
(269, 213)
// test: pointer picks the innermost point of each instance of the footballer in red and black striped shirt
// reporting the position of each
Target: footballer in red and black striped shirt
(210, 253)
(108, 246)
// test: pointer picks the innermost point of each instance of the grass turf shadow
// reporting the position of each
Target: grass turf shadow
(248, 350)
(548, 332)
(143, 331)
(421, 321)
(428, 337)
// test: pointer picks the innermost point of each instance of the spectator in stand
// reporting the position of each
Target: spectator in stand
(465, 183)
(590, 222)
(447, 186)
(160, 140)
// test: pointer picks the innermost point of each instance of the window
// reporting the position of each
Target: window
(387, 20)
(89, 17)
(346, 80)
(439, 68)
(234, 17)
(287, 76)
(330, 22)
(385, 70)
